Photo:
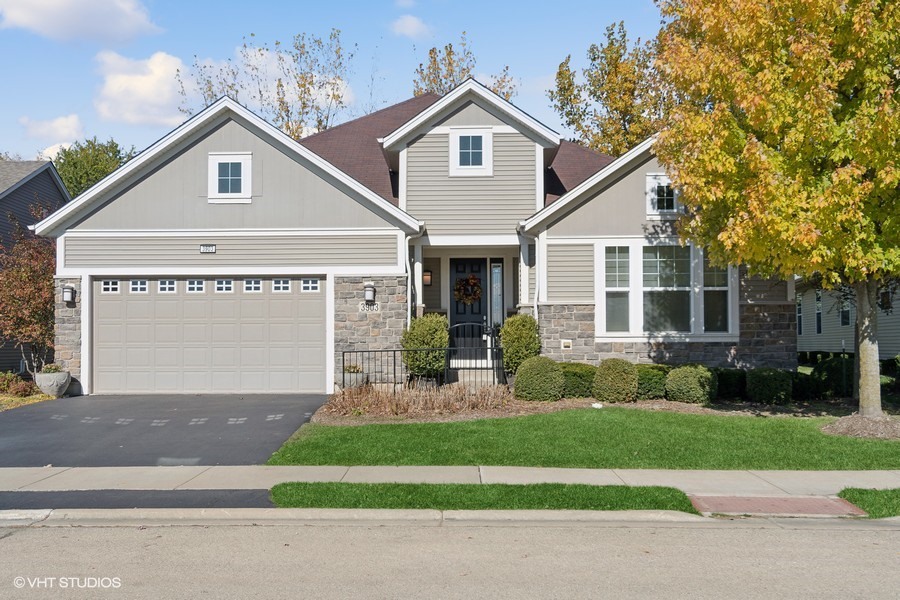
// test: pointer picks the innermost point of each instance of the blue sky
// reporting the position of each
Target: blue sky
(79, 68)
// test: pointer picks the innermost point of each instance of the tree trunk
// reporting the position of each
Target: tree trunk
(856, 362)
(867, 349)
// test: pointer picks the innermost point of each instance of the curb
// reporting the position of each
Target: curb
(179, 517)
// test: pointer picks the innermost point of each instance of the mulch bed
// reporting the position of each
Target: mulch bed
(882, 428)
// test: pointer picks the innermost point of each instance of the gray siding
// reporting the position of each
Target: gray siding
(287, 192)
(570, 273)
(532, 272)
(833, 333)
(471, 205)
(471, 115)
(40, 189)
(619, 208)
(242, 251)
(756, 290)
(10, 356)
(431, 294)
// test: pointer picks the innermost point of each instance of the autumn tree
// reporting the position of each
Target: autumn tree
(619, 100)
(27, 266)
(300, 87)
(4, 155)
(449, 66)
(785, 143)
(84, 163)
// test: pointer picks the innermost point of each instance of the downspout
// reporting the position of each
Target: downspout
(409, 274)
(537, 279)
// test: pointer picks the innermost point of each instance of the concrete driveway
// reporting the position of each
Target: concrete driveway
(96, 431)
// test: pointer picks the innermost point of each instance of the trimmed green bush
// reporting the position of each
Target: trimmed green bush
(652, 381)
(769, 386)
(694, 384)
(539, 378)
(616, 381)
(579, 379)
(427, 331)
(520, 340)
(731, 383)
(803, 386)
(834, 377)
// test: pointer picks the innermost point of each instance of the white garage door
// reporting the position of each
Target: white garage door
(209, 335)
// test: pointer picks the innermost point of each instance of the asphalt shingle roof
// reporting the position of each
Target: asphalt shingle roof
(14, 171)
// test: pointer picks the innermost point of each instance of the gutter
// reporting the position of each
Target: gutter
(409, 274)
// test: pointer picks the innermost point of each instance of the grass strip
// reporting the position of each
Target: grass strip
(612, 438)
(878, 503)
(544, 496)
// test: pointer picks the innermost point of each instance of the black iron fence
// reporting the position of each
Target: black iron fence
(473, 366)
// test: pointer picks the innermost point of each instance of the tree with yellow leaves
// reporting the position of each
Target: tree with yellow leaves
(786, 141)
(448, 67)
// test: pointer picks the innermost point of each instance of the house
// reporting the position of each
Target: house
(25, 184)
(826, 322)
(229, 257)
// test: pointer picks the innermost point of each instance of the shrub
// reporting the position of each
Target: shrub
(22, 389)
(834, 377)
(769, 386)
(652, 381)
(803, 386)
(616, 381)
(731, 383)
(520, 340)
(539, 378)
(694, 384)
(427, 331)
(8, 378)
(51, 368)
(579, 379)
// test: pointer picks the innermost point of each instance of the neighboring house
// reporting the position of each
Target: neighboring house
(228, 257)
(24, 184)
(826, 323)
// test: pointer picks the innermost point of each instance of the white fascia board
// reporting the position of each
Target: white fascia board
(399, 136)
(58, 219)
(559, 207)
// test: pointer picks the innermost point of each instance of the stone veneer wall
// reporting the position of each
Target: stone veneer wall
(67, 339)
(767, 338)
(355, 330)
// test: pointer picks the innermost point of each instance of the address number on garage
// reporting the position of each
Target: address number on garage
(369, 308)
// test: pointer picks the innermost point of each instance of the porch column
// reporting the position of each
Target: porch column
(417, 280)
(523, 273)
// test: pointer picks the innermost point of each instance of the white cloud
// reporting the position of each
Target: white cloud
(50, 152)
(104, 21)
(405, 3)
(61, 128)
(411, 27)
(142, 92)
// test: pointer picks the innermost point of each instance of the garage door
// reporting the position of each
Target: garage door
(209, 335)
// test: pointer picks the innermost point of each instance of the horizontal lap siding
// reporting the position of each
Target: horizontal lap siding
(570, 273)
(471, 205)
(269, 251)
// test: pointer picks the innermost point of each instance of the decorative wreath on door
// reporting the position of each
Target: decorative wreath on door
(467, 290)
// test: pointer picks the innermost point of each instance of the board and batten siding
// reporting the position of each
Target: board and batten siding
(570, 273)
(471, 205)
(233, 251)
(287, 191)
(833, 333)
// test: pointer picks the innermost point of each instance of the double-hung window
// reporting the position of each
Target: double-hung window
(667, 288)
(230, 178)
(715, 298)
(845, 313)
(662, 198)
(617, 265)
(818, 312)
(799, 314)
(471, 152)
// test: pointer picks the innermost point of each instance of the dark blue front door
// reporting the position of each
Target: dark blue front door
(469, 289)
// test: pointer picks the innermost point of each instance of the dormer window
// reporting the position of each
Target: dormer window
(230, 178)
(471, 152)
(662, 198)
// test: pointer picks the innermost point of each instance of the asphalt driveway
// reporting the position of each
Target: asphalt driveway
(106, 431)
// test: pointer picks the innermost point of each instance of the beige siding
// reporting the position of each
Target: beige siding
(471, 115)
(471, 205)
(570, 273)
(233, 251)
(620, 208)
(833, 333)
(532, 273)
(431, 294)
(287, 192)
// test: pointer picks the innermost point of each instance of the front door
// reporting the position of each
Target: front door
(469, 289)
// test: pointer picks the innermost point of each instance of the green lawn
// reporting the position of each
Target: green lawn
(605, 438)
(546, 496)
(878, 503)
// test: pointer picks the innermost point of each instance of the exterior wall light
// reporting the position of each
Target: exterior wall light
(426, 277)
(370, 293)
(68, 294)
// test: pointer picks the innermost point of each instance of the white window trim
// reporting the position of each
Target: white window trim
(310, 285)
(282, 291)
(258, 285)
(245, 196)
(486, 169)
(110, 286)
(636, 297)
(159, 286)
(229, 283)
(654, 214)
(133, 289)
(202, 290)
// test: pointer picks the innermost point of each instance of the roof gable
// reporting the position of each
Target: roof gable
(16, 173)
(145, 159)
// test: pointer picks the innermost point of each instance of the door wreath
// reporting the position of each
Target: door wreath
(467, 290)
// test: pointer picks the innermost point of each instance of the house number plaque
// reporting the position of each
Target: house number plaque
(369, 308)
(207, 248)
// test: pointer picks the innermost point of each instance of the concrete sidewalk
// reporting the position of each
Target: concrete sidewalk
(744, 484)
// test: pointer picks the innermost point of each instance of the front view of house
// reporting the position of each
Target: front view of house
(228, 257)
